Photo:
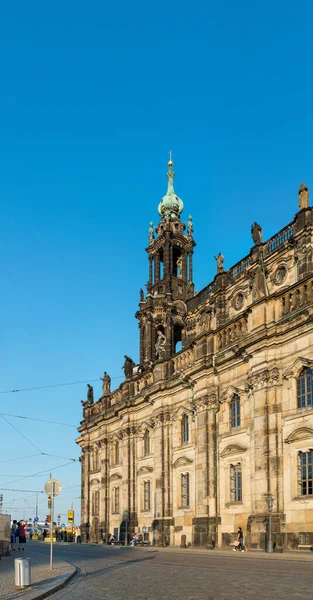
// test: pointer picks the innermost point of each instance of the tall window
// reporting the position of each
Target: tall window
(185, 429)
(146, 443)
(116, 500)
(235, 412)
(146, 495)
(304, 388)
(95, 503)
(96, 460)
(185, 492)
(236, 483)
(306, 473)
(117, 453)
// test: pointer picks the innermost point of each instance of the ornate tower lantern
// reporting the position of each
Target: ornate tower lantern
(170, 283)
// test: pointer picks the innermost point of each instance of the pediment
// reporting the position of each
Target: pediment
(115, 477)
(229, 393)
(144, 425)
(94, 482)
(182, 461)
(180, 412)
(144, 470)
(295, 369)
(233, 449)
(303, 433)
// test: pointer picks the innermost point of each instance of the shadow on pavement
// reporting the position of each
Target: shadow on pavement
(119, 565)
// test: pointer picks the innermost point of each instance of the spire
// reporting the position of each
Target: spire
(170, 205)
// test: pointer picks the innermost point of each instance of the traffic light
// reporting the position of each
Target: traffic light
(49, 502)
(48, 519)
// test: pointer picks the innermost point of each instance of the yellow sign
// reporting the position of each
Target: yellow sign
(70, 516)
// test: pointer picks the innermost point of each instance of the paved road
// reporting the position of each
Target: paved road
(145, 574)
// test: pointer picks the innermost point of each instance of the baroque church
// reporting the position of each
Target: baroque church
(214, 428)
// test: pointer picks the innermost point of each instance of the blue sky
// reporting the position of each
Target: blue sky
(93, 96)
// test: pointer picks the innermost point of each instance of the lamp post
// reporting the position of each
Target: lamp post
(270, 501)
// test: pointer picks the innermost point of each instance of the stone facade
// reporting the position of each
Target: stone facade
(218, 415)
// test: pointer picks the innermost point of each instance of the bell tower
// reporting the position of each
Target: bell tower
(162, 313)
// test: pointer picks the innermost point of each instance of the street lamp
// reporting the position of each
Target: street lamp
(270, 501)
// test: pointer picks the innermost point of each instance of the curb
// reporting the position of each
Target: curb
(255, 554)
(51, 588)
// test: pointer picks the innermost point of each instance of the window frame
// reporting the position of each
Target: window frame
(305, 389)
(236, 482)
(116, 500)
(235, 412)
(185, 430)
(146, 443)
(185, 490)
(147, 495)
(305, 467)
(116, 452)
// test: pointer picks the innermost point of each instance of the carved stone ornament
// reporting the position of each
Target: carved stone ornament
(182, 462)
(115, 477)
(238, 301)
(144, 470)
(280, 275)
(303, 433)
(233, 449)
(261, 379)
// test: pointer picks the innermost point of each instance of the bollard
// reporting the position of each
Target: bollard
(22, 572)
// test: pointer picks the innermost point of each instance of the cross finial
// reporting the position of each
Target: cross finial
(170, 162)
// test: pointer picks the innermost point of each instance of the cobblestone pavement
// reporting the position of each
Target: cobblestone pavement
(40, 572)
(145, 574)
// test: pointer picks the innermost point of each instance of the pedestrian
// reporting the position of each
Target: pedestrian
(241, 547)
(13, 534)
(79, 537)
(21, 535)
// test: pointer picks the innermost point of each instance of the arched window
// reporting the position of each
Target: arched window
(185, 429)
(146, 443)
(235, 412)
(117, 452)
(304, 388)
(305, 473)
(185, 490)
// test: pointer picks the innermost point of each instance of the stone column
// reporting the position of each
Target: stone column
(190, 267)
(156, 268)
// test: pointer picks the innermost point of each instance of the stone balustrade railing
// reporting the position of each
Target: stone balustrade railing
(297, 298)
(231, 334)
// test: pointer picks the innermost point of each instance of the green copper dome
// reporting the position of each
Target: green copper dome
(170, 205)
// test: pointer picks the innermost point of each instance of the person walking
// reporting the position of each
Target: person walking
(21, 535)
(13, 534)
(241, 547)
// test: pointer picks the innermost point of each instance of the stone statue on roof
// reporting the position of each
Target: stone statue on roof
(106, 386)
(128, 366)
(89, 393)
(256, 233)
(219, 262)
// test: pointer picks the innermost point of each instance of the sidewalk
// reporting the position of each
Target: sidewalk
(302, 555)
(43, 581)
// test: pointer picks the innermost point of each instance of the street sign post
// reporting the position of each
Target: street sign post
(70, 516)
(53, 488)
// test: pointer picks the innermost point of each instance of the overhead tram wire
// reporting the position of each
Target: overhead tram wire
(30, 442)
(20, 458)
(39, 473)
(43, 387)
(40, 420)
